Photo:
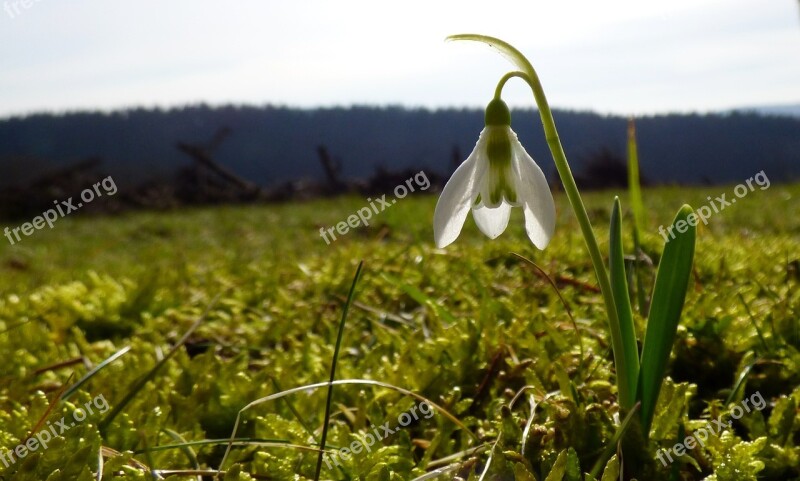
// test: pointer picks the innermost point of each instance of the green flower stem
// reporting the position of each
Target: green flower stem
(502, 83)
(625, 383)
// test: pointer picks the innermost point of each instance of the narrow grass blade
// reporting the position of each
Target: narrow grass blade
(637, 206)
(438, 472)
(739, 382)
(74, 388)
(53, 403)
(333, 368)
(421, 298)
(669, 294)
(526, 432)
(446, 461)
(563, 301)
(148, 455)
(277, 443)
(612, 445)
(341, 382)
(754, 322)
(296, 413)
(184, 447)
(626, 351)
(14, 326)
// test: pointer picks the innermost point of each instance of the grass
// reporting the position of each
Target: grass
(467, 327)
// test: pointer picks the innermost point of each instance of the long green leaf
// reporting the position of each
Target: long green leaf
(634, 184)
(669, 294)
(637, 206)
(626, 352)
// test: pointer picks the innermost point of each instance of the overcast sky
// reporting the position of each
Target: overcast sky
(621, 56)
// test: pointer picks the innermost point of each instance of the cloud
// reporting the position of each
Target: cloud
(621, 56)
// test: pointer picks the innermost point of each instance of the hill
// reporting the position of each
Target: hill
(269, 145)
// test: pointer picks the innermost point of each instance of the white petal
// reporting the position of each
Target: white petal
(458, 196)
(534, 196)
(492, 221)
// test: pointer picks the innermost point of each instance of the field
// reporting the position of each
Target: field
(466, 327)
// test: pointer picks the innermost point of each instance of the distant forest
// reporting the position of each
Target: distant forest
(273, 145)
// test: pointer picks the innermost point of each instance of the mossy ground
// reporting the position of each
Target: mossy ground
(467, 327)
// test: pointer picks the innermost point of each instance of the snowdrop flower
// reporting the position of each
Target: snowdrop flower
(497, 176)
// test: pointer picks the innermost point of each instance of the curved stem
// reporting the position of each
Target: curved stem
(571, 189)
(502, 83)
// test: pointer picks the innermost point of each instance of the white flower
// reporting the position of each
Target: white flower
(497, 176)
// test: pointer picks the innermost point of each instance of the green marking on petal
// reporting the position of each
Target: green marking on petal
(511, 193)
(498, 149)
(500, 180)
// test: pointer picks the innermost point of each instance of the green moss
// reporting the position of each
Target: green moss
(466, 327)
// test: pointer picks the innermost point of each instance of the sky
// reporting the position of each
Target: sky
(620, 56)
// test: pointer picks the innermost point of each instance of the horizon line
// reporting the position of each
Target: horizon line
(122, 109)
